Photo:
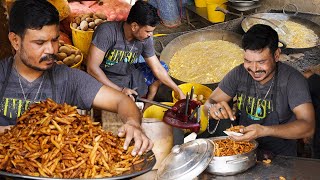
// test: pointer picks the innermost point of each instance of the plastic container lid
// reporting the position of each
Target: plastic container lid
(186, 161)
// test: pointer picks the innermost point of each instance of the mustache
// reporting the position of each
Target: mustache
(49, 57)
(259, 71)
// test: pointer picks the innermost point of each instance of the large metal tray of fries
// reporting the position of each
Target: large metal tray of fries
(53, 141)
(136, 170)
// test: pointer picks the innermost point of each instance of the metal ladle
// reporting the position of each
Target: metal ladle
(276, 24)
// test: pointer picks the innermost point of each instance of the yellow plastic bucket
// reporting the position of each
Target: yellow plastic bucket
(200, 3)
(81, 40)
(156, 112)
(198, 89)
(213, 15)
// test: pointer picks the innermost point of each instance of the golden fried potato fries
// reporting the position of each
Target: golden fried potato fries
(235, 128)
(228, 147)
(53, 140)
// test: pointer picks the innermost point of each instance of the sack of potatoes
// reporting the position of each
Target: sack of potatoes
(88, 22)
(68, 55)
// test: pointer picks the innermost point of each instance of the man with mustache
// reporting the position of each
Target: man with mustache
(116, 47)
(32, 75)
(273, 98)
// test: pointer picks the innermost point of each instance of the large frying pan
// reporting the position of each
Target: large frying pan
(248, 22)
(196, 36)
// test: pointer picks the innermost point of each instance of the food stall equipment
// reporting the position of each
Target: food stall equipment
(196, 36)
(188, 160)
(183, 114)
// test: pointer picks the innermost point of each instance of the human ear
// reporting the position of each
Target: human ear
(15, 40)
(277, 54)
(134, 26)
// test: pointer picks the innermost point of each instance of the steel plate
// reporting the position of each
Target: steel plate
(136, 170)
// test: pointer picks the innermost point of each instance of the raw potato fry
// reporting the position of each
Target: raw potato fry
(53, 140)
(235, 128)
(282, 178)
(266, 161)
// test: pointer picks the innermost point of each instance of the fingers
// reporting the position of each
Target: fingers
(249, 133)
(182, 96)
(221, 111)
(129, 92)
(142, 142)
(137, 146)
(145, 145)
(129, 137)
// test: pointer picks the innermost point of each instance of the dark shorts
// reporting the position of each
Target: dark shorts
(148, 75)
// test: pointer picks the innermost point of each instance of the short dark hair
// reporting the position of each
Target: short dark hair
(143, 14)
(260, 36)
(31, 14)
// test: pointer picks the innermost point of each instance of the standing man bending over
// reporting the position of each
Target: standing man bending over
(116, 47)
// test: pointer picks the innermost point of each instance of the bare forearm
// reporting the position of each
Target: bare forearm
(163, 76)
(293, 130)
(111, 100)
(3, 128)
(129, 113)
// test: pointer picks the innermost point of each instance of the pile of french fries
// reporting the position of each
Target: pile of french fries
(53, 140)
(228, 147)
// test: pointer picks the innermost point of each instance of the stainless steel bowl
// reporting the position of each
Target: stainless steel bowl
(242, 3)
(231, 165)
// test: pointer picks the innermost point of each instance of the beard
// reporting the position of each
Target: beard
(25, 60)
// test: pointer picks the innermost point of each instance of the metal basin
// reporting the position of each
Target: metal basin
(248, 22)
(231, 165)
(196, 36)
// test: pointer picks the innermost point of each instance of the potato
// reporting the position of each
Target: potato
(84, 25)
(69, 60)
(77, 59)
(84, 17)
(88, 19)
(74, 25)
(92, 25)
(62, 55)
(61, 42)
(98, 21)
(78, 52)
(200, 97)
(101, 15)
(77, 20)
(59, 62)
(65, 49)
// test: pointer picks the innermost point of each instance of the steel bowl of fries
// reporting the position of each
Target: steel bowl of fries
(52, 140)
(231, 157)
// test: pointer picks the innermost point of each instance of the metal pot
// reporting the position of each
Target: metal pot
(243, 3)
(161, 135)
(231, 165)
(248, 22)
(188, 160)
(196, 36)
